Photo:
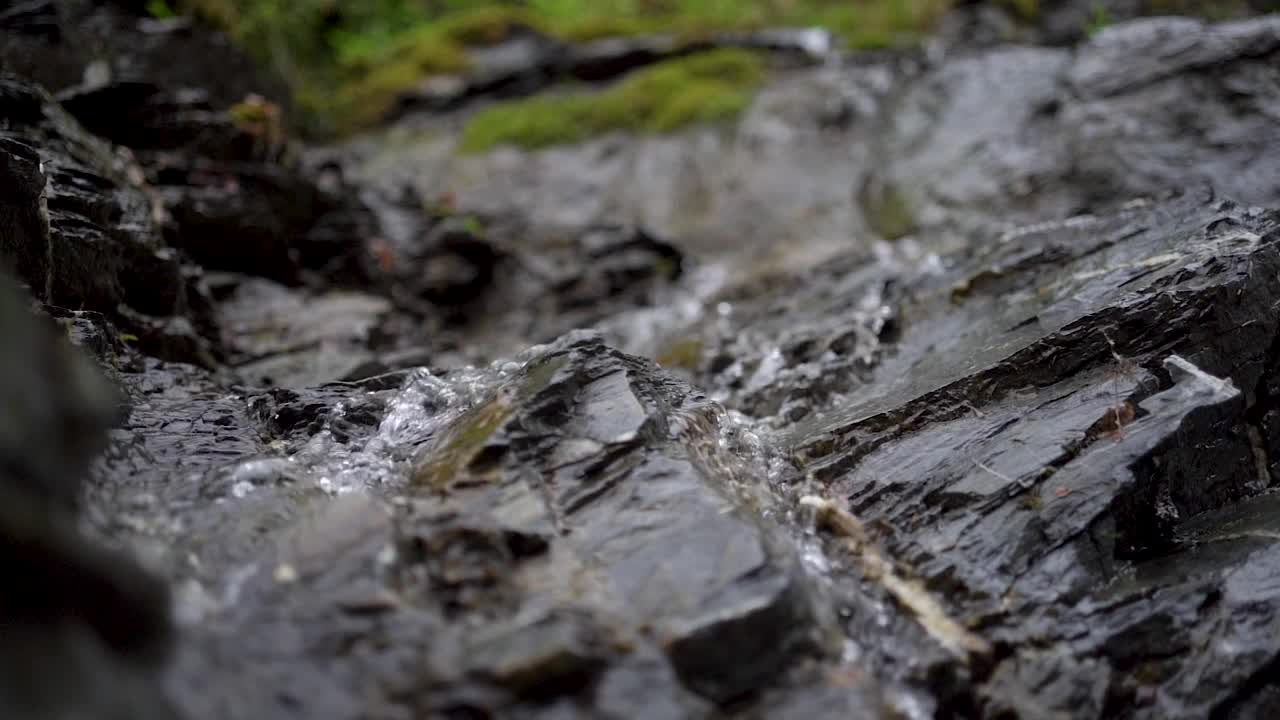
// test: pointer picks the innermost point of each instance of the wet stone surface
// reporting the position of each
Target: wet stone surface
(961, 400)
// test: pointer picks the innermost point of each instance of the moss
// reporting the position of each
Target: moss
(709, 87)
(462, 445)
(887, 210)
(367, 99)
(483, 26)
(349, 62)
(700, 102)
(598, 27)
(461, 450)
(683, 353)
(380, 78)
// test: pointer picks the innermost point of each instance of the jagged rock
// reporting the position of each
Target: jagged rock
(587, 469)
(236, 195)
(1033, 450)
(80, 230)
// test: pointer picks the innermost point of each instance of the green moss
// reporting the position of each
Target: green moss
(1099, 19)
(598, 27)
(368, 98)
(709, 87)
(683, 353)
(484, 25)
(700, 102)
(887, 211)
(458, 454)
(461, 445)
(160, 9)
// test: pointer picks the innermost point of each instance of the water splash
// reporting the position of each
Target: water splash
(423, 405)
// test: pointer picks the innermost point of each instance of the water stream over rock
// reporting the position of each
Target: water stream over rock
(941, 385)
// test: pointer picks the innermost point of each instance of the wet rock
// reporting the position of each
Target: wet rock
(58, 402)
(294, 339)
(229, 172)
(456, 265)
(1034, 470)
(144, 116)
(743, 593)
(84, 231)
(988, 469)
(781, 179)
(1020, 135)
(554, 509)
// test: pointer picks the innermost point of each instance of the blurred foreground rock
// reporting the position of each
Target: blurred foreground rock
(84, 629)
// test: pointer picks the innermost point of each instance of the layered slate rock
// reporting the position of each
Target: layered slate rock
(1042, 474)
(82, 231)
(237, 193)
(1065, 441)
(565, 533)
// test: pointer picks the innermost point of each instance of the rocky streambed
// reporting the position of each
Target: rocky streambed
(942, 384)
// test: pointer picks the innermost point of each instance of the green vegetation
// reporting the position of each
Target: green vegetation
(348, 61)
(1099, 19)
(707, 87)
(887, 211)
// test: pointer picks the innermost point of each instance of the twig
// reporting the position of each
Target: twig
(911, 594)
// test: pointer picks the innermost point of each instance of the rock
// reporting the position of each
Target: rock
(1033, 469)
(230, 171)
(60, 44)
(144, 116)
(84, 232)
(1007, 451)
(1021, 135)
(564, 574)
(58, 403)
(292, 340)
(85, 628)
(708, 187)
